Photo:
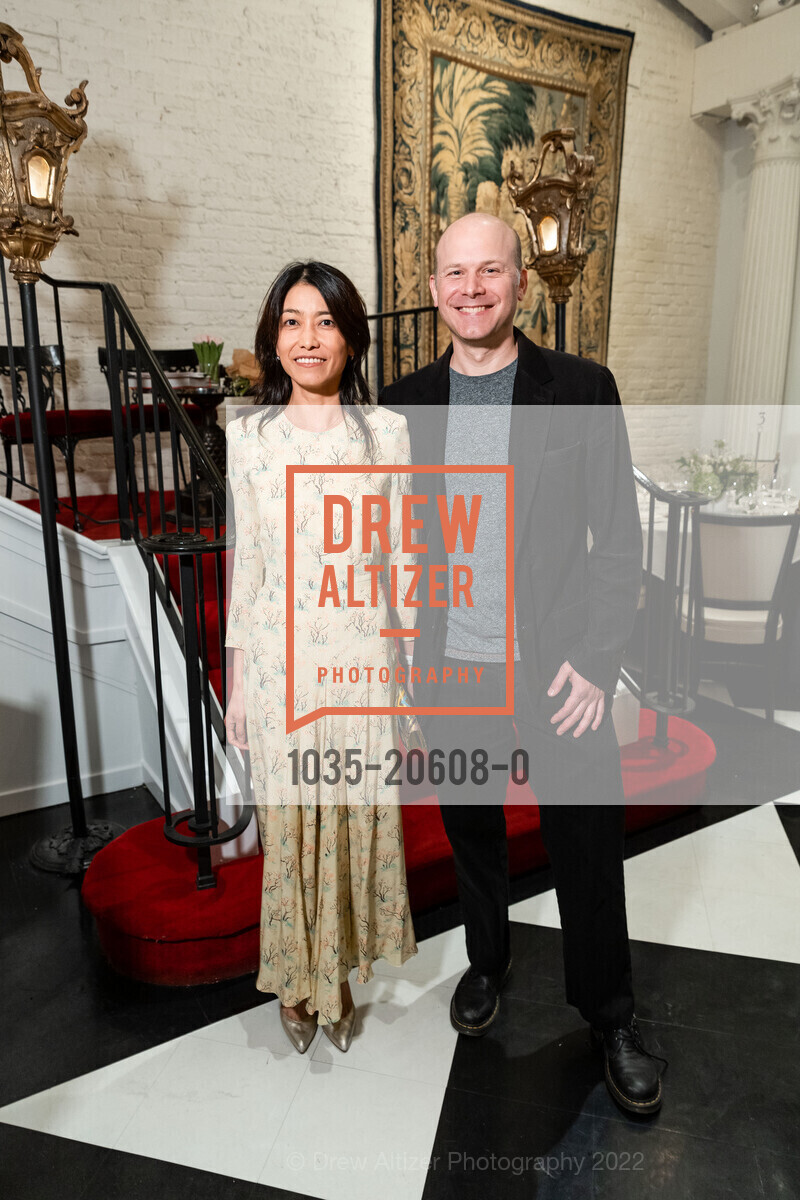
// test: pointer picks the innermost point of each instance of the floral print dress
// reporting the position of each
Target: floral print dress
(334, 882)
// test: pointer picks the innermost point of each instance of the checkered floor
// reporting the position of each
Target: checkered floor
(113, 1090)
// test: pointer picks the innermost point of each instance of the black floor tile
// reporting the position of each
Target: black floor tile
(755, 761)
(131, 1177)
(11, 903)
(144, 1008)
(51, 945)
(727, 1025)
(69, 1011)
(533, 1054)
(636, 1160)
(747, 685)
(229, 997)
(504, 1149)
(499, 1149)
(772, 1079)
(537, 965)
(780, 1175)
(134, 1177)
(727, 993)
(790, 819)
(540, 1054)
(38, 1166)
(37, 889)
(128, 807)
(90, 1017)
(532, 1087)
(55, 1038)
(705, 1085)
(675, 985)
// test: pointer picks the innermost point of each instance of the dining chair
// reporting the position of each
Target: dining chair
(64, 426)
(742, 569)
(168, 360)
(15, 419)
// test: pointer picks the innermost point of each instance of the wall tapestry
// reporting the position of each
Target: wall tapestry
(463, 90)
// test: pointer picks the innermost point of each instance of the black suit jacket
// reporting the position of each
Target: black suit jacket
(572, 474)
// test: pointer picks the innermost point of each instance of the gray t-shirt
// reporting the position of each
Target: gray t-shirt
(478, 429)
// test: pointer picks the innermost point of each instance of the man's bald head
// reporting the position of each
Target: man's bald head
(478, 283)
(477, 227)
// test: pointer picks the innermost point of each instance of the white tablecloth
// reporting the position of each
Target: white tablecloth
(660, 530)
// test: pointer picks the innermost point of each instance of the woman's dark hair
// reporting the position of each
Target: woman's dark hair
(345, 305)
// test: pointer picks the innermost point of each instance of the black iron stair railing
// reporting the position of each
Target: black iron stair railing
(664, 679)
(171, 502)
(199, 503)
(405, 339)
(171, 497)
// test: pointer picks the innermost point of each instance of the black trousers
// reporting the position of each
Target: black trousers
(584, 841)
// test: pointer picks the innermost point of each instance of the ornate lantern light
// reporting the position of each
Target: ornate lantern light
(554, 207)
(36, 139)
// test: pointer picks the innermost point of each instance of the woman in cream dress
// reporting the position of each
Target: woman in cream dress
(334, 884)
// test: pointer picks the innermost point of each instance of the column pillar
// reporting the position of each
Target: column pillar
(757, 372)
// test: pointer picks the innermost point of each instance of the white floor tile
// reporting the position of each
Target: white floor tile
(788, 717)
(715, 691)
(753, 925)
(673, 865)
(733, 887)
(441, 960)
(673, 916)
(97, 1106)
(746, 865)
(257, 1029)
(402, 1029)
(537, 910)
(664, 899)
(761, 824)
(352, 1135)
(215, 1107)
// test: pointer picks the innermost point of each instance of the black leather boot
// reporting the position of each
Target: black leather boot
(632, 1075)
(476, 1001)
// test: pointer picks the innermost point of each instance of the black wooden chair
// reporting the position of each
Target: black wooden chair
(168, 360)
(65, 428)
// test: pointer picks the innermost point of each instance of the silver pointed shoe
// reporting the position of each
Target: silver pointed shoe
(341, 1031)
(300, 1033)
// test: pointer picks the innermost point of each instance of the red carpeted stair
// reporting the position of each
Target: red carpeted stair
(154, 925)
(99, 514)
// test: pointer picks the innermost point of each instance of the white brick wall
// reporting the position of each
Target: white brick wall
(225, 139)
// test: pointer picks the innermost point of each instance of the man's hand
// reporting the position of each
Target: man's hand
(585, 703)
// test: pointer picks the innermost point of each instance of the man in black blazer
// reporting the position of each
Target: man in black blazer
(558, 420)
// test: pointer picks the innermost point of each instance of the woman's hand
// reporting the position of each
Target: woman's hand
(236, 720)
(407, 651)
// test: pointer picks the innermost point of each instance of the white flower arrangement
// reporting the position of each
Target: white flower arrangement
(714, 473)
